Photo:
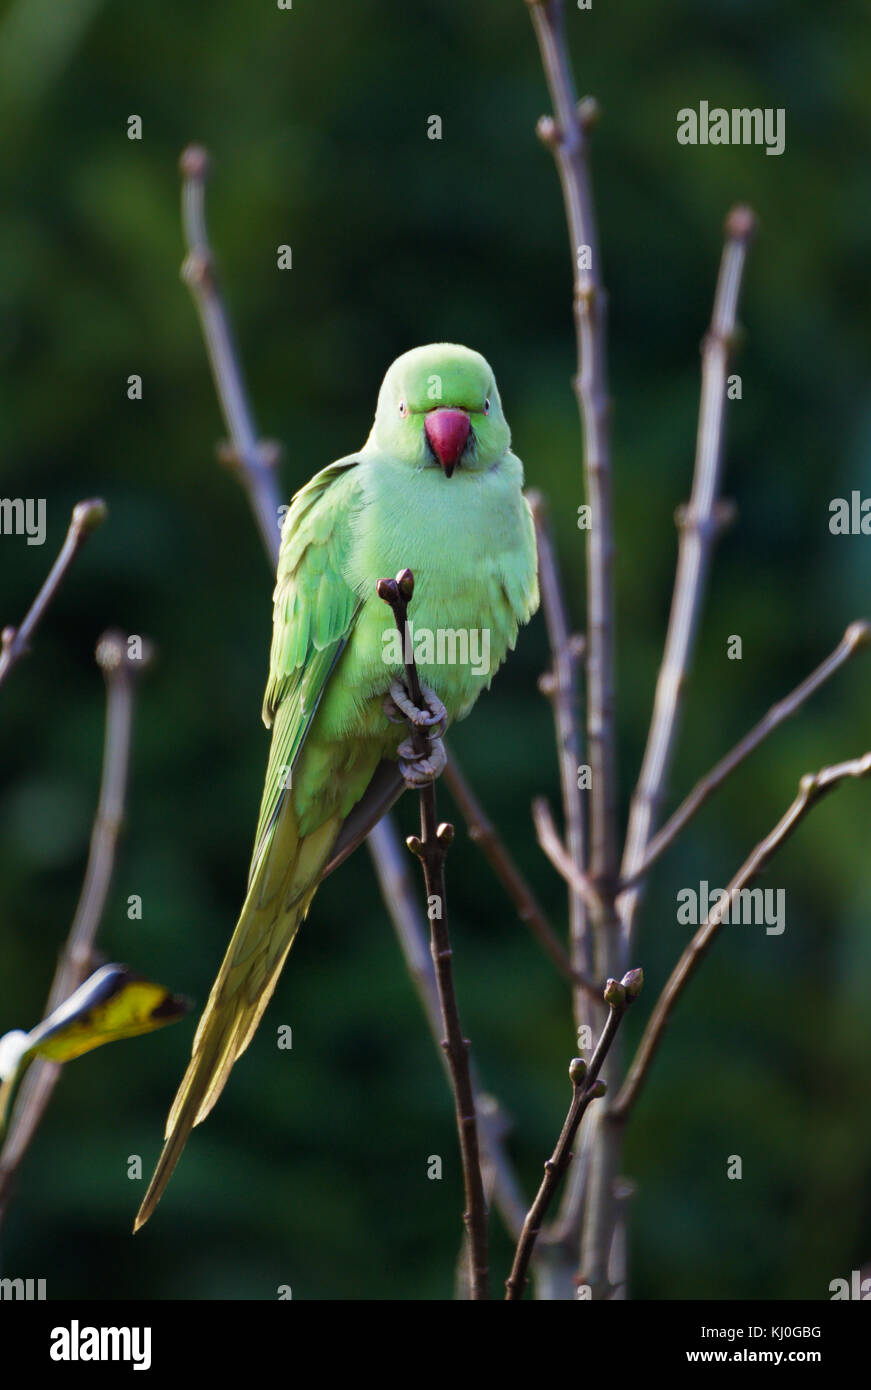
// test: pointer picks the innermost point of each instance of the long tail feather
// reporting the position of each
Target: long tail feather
(275, 906)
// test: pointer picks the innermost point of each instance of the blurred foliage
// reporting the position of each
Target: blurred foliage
(312, 1170)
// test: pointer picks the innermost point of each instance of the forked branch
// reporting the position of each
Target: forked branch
(856, 638)
(15, 641)
(77, 958)
(699, 524)
(585, 1087)
(812, 787)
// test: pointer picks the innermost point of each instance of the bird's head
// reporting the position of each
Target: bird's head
(439, 407)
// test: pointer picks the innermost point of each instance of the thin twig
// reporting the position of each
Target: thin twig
(256, 461)
(553, 847)
(402, 900)
(14, 642)
(566, 136)
(561, 684)
(76, 961)
(856, 638)
(495, 851)
(699, 524)
(812, 787)
(431, 848)
(563, 1229)
(585, 1088)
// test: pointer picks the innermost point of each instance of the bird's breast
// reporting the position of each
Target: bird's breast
(455, 535)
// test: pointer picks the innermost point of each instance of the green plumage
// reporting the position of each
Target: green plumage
(468, 536)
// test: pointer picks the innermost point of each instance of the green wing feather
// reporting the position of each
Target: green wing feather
(313, 613)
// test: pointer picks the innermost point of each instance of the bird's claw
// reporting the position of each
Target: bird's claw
(419, 769)
(399, 708)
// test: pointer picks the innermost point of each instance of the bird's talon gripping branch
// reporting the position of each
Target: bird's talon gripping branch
(399, 707)
(419, 769)
(391, 708)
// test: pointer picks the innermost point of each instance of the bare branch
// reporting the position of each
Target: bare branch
(585, 1088)
(812, 787)
(699, 525)
(856, 638)
(553, 847)
(529, 910)
(561, 685)
(77, 958)
(14, 642)
(412, 929)
(566, 137)
(431, 849)
(256, 461)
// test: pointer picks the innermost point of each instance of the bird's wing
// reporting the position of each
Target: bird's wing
(313, 614)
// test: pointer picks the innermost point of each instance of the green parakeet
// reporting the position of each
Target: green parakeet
(435, 488)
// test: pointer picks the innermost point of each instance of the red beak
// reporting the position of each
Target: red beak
(447, 432)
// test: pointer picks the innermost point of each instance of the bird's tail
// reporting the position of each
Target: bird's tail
(278, 899)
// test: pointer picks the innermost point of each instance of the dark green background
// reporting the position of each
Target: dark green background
(312, 1170)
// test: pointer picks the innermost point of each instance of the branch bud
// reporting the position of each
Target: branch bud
(113, 653)
(614, 994)
(387, 590)
(741, 223)
(269, 452)
(194, 162)
(405, 584)
(632, 983)
(858, 635)
(88, 515)
(589, 112)
(547, 131)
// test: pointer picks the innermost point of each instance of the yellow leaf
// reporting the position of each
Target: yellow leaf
(113, 1003)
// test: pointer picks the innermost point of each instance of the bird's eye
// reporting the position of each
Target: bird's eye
(403, 409)
(487, 406)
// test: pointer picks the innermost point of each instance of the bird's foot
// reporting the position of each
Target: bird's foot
(419, 769)
(399, 708)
